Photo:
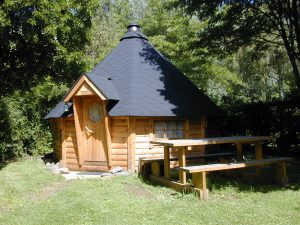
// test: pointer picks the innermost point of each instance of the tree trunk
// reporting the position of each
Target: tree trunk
(293, 62)
(288, 44)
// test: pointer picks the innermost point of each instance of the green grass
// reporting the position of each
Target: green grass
(29, 194)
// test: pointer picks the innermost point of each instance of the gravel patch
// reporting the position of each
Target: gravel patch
(88, 175)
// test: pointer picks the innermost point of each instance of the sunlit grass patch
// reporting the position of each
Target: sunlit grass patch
(32, 195)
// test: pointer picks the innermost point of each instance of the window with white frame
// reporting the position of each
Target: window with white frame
(169, 129)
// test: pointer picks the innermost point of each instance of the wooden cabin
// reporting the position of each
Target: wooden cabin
(134, 96)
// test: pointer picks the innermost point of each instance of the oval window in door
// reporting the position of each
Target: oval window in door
(95, 113)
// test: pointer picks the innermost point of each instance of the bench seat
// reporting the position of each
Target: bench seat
(199, 172)
(237, 165)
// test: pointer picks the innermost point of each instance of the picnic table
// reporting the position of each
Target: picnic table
(183, 145)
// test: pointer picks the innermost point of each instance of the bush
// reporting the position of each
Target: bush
(25, 131)
(279, 119)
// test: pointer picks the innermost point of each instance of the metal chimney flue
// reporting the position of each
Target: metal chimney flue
(134, 27)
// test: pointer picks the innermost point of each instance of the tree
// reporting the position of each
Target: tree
(232, 24)
(40, 38)
(267, 75)
(22, 119)
(172, 32)
(109, 25)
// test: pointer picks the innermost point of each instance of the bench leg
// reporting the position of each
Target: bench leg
(258, 155)
(224, 160)
(199, 181)
(167, 172)
(182, 163)
(155, 168)
(140, 169)
(282, 173)
(239, 152)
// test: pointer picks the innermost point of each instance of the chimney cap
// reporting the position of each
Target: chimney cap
(133, 27)
(134, 31)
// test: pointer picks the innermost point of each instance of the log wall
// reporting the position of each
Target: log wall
(70, 145)
(57, 139)
(144, 133)
(130, 140)
(119, 135)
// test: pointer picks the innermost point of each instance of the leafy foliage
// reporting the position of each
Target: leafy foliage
(173, 33)
(265, 75)
(109, 25)
(42, 37)
(232, 24)
(26, 131)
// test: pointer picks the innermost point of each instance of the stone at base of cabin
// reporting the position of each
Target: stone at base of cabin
(105, 174)
(64, 171)
(55, 170)
(116, 170)
(124, 173)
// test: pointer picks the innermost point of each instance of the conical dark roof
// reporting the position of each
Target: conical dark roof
(149, 84)
(146, 83)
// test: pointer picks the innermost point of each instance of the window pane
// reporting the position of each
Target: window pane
(171, 125)
(179, 134)
(95, 113)
(159, 126)
(159, 134)
(179, 125)
(169, 129)
(171, 134)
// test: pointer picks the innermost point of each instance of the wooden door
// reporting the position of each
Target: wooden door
(94, 139)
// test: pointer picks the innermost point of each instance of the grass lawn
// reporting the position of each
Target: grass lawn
(29, 194)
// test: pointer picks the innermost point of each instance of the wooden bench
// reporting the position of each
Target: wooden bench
(154, 164)
(199, 172)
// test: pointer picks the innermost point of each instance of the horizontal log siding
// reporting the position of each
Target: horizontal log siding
(118, 146)
(119, 135)
(70, 145)
(57, 140)
(144, 134)
(195, 132)
(143, 148)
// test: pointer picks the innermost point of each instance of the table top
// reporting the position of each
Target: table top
(209, 141)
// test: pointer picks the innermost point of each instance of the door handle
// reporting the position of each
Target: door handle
(90, 131)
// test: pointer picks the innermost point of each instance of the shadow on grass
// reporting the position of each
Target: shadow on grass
(220, 181)
(3, 164)
(264, 184)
